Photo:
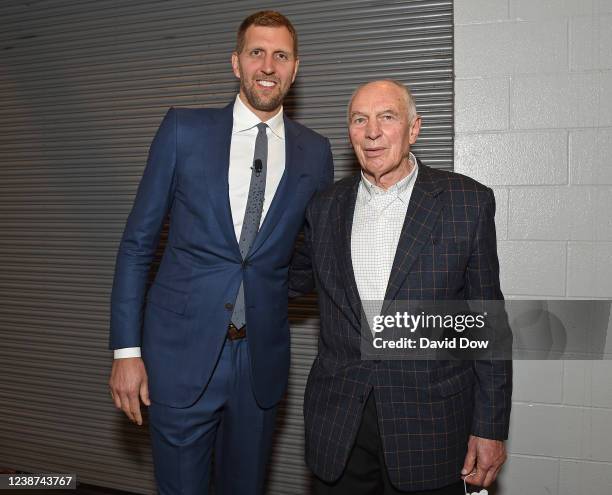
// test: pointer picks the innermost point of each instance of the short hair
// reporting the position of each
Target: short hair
(408, 98)
(268, 18)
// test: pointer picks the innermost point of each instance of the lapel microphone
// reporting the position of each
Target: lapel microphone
(257, 166)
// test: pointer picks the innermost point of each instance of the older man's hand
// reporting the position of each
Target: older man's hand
(483, 460)
(128, 385)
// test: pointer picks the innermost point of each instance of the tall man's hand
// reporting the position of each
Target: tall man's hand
(128, 385)
(484, 459)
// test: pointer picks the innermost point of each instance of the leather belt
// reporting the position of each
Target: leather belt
(234, 333)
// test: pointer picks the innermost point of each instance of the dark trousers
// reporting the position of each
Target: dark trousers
(365, 472)
(227, 419)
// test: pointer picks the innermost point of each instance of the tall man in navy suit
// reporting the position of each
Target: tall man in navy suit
(398, 231)
(213, 327)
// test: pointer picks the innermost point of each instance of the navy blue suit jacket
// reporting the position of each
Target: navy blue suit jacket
(426, 409)
(181, 323)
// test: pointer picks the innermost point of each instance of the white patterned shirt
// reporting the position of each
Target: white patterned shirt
(377, 225)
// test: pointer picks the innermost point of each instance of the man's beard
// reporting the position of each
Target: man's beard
(259, 103)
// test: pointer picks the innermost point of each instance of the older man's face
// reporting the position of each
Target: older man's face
(381, 133)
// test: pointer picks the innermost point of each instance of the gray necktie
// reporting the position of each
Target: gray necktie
(252, 215)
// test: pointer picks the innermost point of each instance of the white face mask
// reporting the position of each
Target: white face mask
(481, 492)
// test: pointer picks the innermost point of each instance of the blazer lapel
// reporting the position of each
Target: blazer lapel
(345, 209)
(286, 186)
(216, 170)
(423, 211)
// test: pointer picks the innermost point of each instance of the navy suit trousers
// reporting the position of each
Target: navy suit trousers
(226, 419)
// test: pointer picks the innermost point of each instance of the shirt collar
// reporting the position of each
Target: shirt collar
(245, 119)
(400, 189)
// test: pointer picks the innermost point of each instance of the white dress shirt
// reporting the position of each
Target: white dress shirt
(377, 226)
(242, 149)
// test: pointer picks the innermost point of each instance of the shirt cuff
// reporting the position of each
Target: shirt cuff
(127, 352)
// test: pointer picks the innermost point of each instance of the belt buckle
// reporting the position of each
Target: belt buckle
(234, 333)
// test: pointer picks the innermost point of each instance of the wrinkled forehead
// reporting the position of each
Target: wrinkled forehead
(378, 98)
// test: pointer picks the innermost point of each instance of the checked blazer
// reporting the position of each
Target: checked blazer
(426, 409)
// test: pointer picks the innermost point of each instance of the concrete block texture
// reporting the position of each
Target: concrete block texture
(585, 478)
(502, 48)
(533, 117)
(501, 213)
(605, 42)
(600, 436)
(481, 104)
(605, 99)
(538, 381)
(546, 9)
(591, 156)
(532, 268)
(549, 430)
(555, 101)
(591, 43)
(603, 6)
(528, 475)
(589, 269)
(601, 391)
(583, 43)
(587, 383)
(480, 11)
(517, 158)
(561, 213)
(577, 379)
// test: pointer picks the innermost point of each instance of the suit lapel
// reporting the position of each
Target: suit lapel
(423, 211)
(216, 169)
(286, 186)
(345, 209)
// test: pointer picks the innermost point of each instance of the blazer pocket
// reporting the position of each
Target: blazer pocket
(454, 384)
(450, 242)
(169, 299)
(450, 247)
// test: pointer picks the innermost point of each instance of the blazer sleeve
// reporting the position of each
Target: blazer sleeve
(327, 174)
(141, 236)
(301, 276)
(493, 388)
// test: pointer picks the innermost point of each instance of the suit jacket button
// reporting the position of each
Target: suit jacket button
(229, 306)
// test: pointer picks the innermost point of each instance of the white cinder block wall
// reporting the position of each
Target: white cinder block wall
(533, 120)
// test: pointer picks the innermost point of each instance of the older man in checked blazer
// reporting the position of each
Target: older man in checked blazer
(399, 230)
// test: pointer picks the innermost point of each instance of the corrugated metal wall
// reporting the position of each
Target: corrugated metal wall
(83, 87)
